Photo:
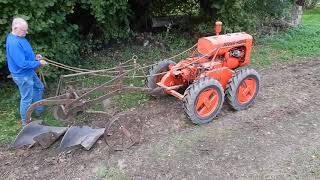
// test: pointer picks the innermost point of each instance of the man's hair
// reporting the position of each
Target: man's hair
(18, 21)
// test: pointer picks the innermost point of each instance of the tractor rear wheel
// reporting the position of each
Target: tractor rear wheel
(203, 100)
(153, 78)
(243, 89)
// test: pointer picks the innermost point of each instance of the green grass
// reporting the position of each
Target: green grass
(129, 100)
(9, 117)
(316, 169)
(296, 43)
(48, 118)
(110, 173)
(291, 45)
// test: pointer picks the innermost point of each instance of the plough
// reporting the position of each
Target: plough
(207, 77)
(70, 101)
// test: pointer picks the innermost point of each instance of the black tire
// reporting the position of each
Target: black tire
(240, 78)
(195, 91)
(161, 66)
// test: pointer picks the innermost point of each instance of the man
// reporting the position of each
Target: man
(22, 62)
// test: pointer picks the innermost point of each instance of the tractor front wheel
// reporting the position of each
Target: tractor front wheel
(203, 100)
(156, 72)
(243, 89)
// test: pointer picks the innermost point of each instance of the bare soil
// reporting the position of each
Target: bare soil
(277, 138)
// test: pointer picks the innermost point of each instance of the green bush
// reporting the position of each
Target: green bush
(310, 4)
(64, 29)
(249, 15)
(237, 15)
(55, 28)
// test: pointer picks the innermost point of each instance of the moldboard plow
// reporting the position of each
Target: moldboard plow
(208, 75)
(71, 100)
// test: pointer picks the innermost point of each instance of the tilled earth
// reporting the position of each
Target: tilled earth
(277, 138)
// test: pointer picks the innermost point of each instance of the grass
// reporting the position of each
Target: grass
(316, 169)
(296, 43)
(9, 100)
(129, 100)
(110, 173)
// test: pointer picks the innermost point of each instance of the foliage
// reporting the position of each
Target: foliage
(239, 15)
(111, 15)
(54, 29)
(174, 8)
(234, 17)
(47, 26)
(310, 4)
(62, 30)
(248, 15)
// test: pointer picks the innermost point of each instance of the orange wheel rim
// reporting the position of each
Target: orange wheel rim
(246, 90)
(207, 102)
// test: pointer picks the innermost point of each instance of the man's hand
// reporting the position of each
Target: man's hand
(43, 62)
(38, 57)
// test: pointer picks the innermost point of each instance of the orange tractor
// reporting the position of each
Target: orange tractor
(210, 76)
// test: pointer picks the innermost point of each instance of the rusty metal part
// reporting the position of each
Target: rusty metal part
(121, 134)
(84, 136)
(34, 132)
(73, 102)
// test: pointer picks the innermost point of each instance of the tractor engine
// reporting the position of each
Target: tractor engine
(232, 50)
(216, 54)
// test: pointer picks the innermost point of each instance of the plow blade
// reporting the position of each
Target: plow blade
(34, 132)
(84, 136)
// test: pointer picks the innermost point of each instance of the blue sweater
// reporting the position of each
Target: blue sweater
(20, 56)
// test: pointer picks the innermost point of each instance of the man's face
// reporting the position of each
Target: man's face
(21, 30)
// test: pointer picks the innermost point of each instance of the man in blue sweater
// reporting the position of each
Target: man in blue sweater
(22, 62)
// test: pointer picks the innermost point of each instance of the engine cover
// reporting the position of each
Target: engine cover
(208, 45)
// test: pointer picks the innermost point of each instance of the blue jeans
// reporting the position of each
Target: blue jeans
(31, 90)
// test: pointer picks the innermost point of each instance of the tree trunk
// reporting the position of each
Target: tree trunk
(297, 12)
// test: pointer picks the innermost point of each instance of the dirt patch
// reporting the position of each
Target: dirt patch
(277, 138)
